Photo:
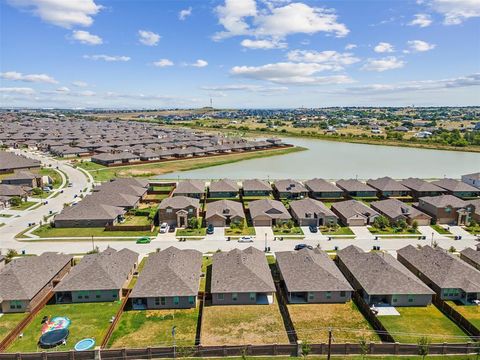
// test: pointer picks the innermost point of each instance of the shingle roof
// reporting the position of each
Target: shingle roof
(394, 208)
(223, 185)
(442, 201)
(256, 185)
(274, 209)
(473, 255)
(241, 271)
(387, 184)
(107, 270)
(309, 207)
(11, 161)
(455, 185)
(321, 185)
(190, 187)
(291, 186)
(310, 270)
(86, 210)
(179, 202)
(171, 272)
(442, 268)
(421, 185)
(351, 208)
(24, 277)
(224, 208)
(380, 273)
(353, 185)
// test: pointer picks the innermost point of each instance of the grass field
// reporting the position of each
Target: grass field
(90, 320)
(339, 230)
(389, 231)
(282, 230)
(239, 325)
(191, 232)
(312, 320)
(246, 231)
(132, 220)
(24, 205)
(154, 328)
(102, 173)
(440, 230)
(54, 175)
(46, 231)
(415, 322)
(470, 312)
(8, 323)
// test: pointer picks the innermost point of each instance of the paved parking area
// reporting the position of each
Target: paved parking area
(362, 233)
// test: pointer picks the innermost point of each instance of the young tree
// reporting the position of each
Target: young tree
(401, 224)
(415, 225)
(423, 345)
(15, 201)
(381, 222)
(363, 347)
(193, 223)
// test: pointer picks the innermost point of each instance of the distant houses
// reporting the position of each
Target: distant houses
(224, 212)
(446, 209)
(354, 213)
(267, 212)
(395, 210)
(310, 212)
(355, 188)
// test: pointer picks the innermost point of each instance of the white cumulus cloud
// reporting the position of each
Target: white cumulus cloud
(79, 83)
(37, 78)
(350, 46)
(163, 63)
(107, 58)
(336, 60)
(64, 13)
(420, 45)
(263, 44)
(421, 20)
(85, 37)
(148, 38)
(383, 64)
(455, 11)
(17, 90)
(383, 47)
(200, 63)
(183, 14)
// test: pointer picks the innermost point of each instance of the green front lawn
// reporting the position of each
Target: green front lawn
(192, 232)
(283, 230)
(8, 323)
(390, 230)
(143, 328)
(246, 231)
(440, 230)
(132, 220)
(475, 230)
(54, 175)
(46, 231)
(90, 320)
(162, 188)
(89, 166)
(470, 312)
(6, 215)
(415, 322)
(24, 205)
(339, 230)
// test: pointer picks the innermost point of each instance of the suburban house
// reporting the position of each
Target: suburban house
(381, 279)
(354, 213)
(88, 214)
(446, 209)
(472, 179)
(222, 213)
(175, 211)
(388, 187)
(323, 189)
(421, 188)
(290, 189)
(267, 212)
(449, 276)
(458, 188)
(241, 277)
(98, 277)
(14, 190)
(310, 276)
(169, 280)
(224, 188)
(471, 256)
(24, 178)
(256, 187)
(25, 281)
(395, 210)
(310, 212)
(190, 188)
(475, 209)
(355, 188)
(10, 162)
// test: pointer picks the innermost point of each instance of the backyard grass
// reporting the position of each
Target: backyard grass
(54, 175)
(132, 220)
(24, 205)
(339, 230)
(154, 327)
(192, 232)
(8, 323)
(246, 231)
(240, 325)
(206, 267)
(46, 231)
(312, 320)
(90, 320)
(440, 230)
(156, 197)
(162, 188)
(415, 322)
(390, 230)
(470, 312)
(102, 173)
(282, 230)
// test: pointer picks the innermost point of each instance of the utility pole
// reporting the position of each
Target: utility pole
(266, 242)
(329, 342)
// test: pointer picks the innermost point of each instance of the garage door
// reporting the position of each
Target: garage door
(216, 222)
(308, 222)
(262, 223)
(356, 222)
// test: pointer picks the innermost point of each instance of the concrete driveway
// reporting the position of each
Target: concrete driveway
(428, 231)
(218, 234)
(262, 231)
(312, 236)
(362, 233)
(459, 231)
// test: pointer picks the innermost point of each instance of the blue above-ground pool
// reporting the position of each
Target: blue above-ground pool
(84, 344)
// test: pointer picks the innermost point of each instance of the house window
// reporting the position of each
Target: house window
(114, 296)
(394, 298)
(190, 211)
(169, 211)
(411, 298)
(342, 293)
(176, 300)
(163, 301)
(311, 296)
(220, 297)
(157, 301)
(448, 210)
(15, 304)
(328, 294)
(234, 297)
(191, 300)
(253, 296)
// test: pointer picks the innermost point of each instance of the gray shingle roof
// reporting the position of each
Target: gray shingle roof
(387, 184)
(11, 161)
(241, 271)
(256, 185)
(380, 273)
(190, 187)
(351, 208)
(291, 186)
(179, 202)
(321, 185)
(224, 208)
(171, 272)
(353, 185)
(274, 209)
(107, 270)
(455, 185)
(310, 270)
(309, 207)
(421, 185)
(442, 201)
(223, 185)
(394, 208)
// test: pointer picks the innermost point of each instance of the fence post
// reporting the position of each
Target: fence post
(124, 353)
(299, 348)
(18, 356)
(44, 355)
(72, 355)
(224, 350)
(347, 348)
(149, 352)
(444, 348)
(395, 348)
(274, 349)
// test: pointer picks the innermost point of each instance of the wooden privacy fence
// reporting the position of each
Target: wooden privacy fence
(248, 350)
(456, 317)
(113, 324)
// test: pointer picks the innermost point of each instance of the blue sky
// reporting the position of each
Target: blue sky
(240, 53)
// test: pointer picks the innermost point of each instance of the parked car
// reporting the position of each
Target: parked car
(246, 239)
(303, 246)
(313, 229)
(210, 229)
(46, 189)
(171, 229)
(70, 184)
(144, 240)
(164, 228)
